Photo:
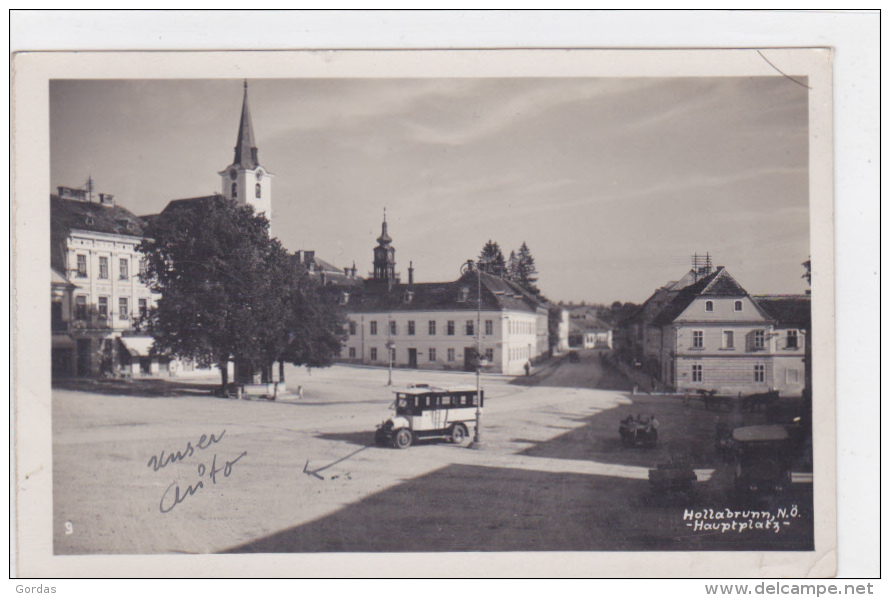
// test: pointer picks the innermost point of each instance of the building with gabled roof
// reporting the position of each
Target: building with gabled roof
(433, 325)
(706, 332)
(587, 331)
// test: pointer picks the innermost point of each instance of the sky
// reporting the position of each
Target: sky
(613, 183)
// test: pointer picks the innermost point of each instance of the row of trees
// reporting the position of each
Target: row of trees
(231, 293)
(520, 268)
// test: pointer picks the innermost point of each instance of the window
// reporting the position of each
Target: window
(450, 327)
(344, 297)
(759, 373)
(143, 308)
(373, 353)
(432, 354)
(728, 339)
(103, 267)
(409, 296)
(259, 191)
(698, 339)
(351, 349)
(143, 267)
(489, 355)
(463, 294)
(450, 354)
(738, 306)
(393, 328)
(123, 308)
(696, 373)
(411, 327)
(80, 307)
(791, 339)
(432, 327)
(759, 340)
(81, 265)
(103, 307)
(470, 328)
(489, 327)
(352, 327)
(124, 269)
(709, 306)
(373, 328)
(234, 190)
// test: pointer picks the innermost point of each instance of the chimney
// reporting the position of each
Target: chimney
(410, 272)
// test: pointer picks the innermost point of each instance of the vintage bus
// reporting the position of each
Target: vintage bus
(424, 411)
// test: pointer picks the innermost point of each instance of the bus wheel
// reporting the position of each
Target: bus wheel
(458, 434)
(402, 439)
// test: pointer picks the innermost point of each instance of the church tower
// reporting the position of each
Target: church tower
(385, 257)
(245, 180)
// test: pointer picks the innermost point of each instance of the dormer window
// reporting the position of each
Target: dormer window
(344, 298)
(709, 306)
(463, 294)
(738, 306)
(90, 220)
(409, 296)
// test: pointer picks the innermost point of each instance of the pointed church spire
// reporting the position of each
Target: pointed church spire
(245, 148)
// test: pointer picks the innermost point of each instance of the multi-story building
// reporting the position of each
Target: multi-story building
(97, 293)
(790, 343)
(434, 325)
(705, 332)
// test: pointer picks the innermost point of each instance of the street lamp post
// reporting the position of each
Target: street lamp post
(390, 345)
(477, 434)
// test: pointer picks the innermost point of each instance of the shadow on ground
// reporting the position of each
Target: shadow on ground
(684, 433)
(367, 439)
(473, 508)
(145, 387)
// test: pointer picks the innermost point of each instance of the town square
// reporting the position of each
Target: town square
(431, 316)
(553, 474)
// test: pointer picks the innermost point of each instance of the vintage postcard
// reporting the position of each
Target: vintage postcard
(503, 312)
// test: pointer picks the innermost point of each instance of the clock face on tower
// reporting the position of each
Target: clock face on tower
(233, 174)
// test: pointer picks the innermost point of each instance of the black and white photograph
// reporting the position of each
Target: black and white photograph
(441, 303)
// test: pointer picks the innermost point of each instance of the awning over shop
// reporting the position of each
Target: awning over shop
(62, 341)
(137, 345)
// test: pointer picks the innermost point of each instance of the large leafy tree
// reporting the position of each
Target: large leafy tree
(491, 260)
(229, 292)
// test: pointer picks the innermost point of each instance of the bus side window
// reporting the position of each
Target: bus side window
(445, 401)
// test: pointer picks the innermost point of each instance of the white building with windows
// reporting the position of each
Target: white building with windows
(435, 325)
(706, 332)
(97, 293)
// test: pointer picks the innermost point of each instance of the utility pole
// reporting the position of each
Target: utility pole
(470, 266)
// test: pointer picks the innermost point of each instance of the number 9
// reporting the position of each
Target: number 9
(69, 528)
